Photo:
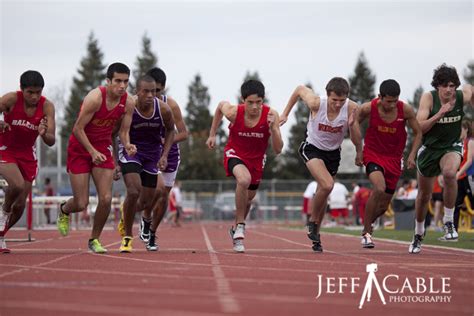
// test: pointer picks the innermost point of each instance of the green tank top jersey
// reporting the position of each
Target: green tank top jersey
(447, 130)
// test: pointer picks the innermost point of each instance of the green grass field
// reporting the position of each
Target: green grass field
(466, 240)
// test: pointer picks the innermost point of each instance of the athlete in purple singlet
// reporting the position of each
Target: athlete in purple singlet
(152, 120)
(166, 178)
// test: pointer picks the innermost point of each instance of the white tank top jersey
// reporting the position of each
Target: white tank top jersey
(325, 134)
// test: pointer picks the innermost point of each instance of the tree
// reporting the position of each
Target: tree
(469, 77)
(469, 73)
(362, 82)
(415, 102)
(291, 167)
(200, 162)
(144, 62)
(362, 85)
(91, 74)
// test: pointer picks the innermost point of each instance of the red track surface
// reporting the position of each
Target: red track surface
(195, 272)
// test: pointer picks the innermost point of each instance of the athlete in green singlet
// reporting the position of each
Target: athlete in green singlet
(440, 116)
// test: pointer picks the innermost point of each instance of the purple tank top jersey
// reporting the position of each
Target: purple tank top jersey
(145, 134)
(174, 155)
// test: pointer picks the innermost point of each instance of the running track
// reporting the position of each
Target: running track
(196, 273)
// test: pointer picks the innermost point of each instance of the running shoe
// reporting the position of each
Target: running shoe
(239, 232)
(144, 230)
(62, 221)
(96, 247)
(121, 225)
(450, 233)
(415, 246)
(4, 216)
(3, 246)
(237, 244)
(317, 246)
(312, 231)
(152, 245)
(126, 245)
(366, 241)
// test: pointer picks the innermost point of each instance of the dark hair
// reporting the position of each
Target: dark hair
(389, 87)
(338, 85)
(443, 75)
(47, 180)
(117, 68)
(250, 87)
(467, 125)
(158, 74)
(31, 78)
(145, 78)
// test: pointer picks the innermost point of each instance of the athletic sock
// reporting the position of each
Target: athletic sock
(448, 215)
(419, 227)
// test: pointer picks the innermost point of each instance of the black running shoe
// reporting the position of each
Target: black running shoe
(415, 246)
(312, 231)
(144, 230)
(317, 246)
(152, 245)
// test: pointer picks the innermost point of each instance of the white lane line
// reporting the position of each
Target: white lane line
(362, 257)
(461, 251)
(38, 265)
(228, 302)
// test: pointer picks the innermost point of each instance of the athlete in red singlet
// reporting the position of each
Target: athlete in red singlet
(90, 150)
(251, 125)
(385, 141)
(27, 114)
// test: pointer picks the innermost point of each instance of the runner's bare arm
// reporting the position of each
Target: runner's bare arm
(354, 130)
(47, 128)
(169, 123)
(7, 102)
(304, 93)
(469, 159)
(125, 127)
(426, 104)
(182, 133)
(364, 112)
(273, 122)
(410, 118)
(226, 109)
(91, 104)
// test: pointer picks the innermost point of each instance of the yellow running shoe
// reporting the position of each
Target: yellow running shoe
(126, 245)
(62, 222)
(121, 225)
(96, 247)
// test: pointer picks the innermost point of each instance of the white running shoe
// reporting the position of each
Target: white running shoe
(366, 241)
(4, 216)
(239, 245)
(3, 246)
(415, 246)
(450, 233)
(239, 232)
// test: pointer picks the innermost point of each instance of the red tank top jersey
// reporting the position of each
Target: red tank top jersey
(99, 129)
(249, 142)
(386, 139)
(23, 129)
(437, 187)
(464, 157)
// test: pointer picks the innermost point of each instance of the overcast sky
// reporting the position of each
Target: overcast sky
(288, 43)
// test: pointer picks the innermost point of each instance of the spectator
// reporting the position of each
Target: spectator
(308, 199)
(338, 203)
